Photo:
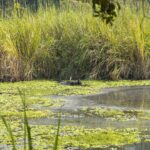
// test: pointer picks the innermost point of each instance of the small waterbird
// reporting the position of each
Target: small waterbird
(78, 82)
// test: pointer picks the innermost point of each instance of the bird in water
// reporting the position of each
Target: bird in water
(77, 82)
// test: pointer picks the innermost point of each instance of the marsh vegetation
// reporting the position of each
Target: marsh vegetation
(69, 41)
(81, 127)
(39, 40)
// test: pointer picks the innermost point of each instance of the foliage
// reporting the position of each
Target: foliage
(41, 45)
(108, 9)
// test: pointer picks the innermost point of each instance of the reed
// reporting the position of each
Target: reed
(8, 127)
(27, 128)
(71, 42)
(57, 135)
(27, 136)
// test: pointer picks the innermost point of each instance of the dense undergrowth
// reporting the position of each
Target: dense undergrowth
(71, 42)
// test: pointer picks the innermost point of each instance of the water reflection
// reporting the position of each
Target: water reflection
(116, 98)
(136, 146)
(139, 146)
(130, 97)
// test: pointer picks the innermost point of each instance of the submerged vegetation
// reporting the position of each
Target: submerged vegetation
(35, 90)
(59, 43)
(44, 136)
(115, 114)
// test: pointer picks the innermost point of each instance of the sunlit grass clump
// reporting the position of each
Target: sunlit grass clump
(71, 42)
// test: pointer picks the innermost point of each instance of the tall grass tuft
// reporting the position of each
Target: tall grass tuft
(27, 138)
(27, 129)
(57, 134)
(71, 42)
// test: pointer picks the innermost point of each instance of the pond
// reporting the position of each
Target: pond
(114, 118)
(125, 97)
(122, 99)
(105, 110)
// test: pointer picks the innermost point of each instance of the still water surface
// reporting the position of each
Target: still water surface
(122, 98)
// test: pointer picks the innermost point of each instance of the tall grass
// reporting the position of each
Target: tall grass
(27, 136)
(57, 135)
(27, 129)
(71, 42)
(7, 125)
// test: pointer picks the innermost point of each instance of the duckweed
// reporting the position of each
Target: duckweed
(113, 114)
(70, 136)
